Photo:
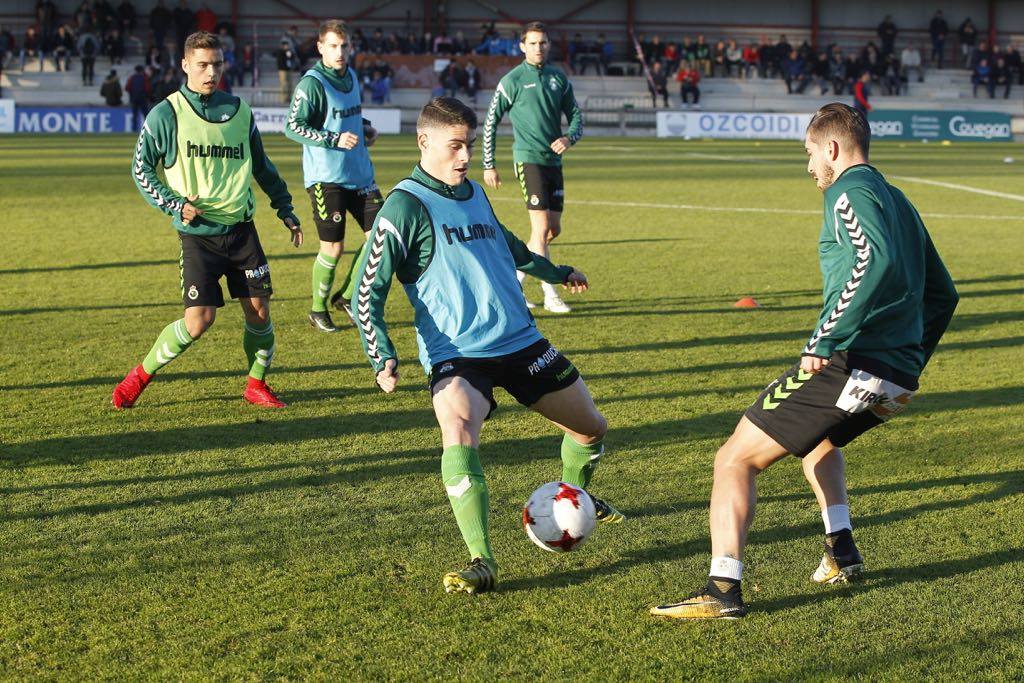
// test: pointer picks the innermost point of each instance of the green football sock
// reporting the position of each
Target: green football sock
(258, 341)
(171, 343)
(323, 278)
(579, 461)
(467, 492)
(348, 288)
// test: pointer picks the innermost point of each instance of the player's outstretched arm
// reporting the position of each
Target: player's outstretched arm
(861, 229)
(500, 104)
(156, 145)
(271, 182)
(307, 114)
(940, 298)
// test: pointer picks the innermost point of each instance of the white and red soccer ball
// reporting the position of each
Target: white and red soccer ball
(559, 517)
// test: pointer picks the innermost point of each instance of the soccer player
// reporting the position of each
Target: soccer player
(888, 300)
(326, 118)
(438, 234)
(536, 95)
(210, 150)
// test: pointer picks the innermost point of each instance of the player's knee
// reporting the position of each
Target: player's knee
(732, 457)
(598, 427)
(457, 429)
(332, 249)
(198, 323)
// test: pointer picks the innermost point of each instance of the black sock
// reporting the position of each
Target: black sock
(720, 586)
(840, 543)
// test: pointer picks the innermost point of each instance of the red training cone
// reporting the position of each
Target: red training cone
(747, 302)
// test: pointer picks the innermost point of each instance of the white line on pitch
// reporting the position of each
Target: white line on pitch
(964, 188)
(754, 209)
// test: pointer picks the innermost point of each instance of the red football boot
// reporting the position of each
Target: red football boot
(259, 394)
(128, 391)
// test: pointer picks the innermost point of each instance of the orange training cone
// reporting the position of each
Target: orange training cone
(747, 302)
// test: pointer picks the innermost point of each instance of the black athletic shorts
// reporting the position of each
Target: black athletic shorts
(850, 396)
(236, 255)
(331, 202)
(527, 375)
(542, 186)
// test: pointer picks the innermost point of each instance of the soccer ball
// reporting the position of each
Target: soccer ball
(559, 517)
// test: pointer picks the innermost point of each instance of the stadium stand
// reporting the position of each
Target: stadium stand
(742, 69)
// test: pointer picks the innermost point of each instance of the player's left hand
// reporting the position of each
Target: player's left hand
(813, 364)
(369, 135)
(560, 145)
(387, 378)
(576, 282)
(292, 223)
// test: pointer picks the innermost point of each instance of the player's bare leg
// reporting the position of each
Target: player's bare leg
(747, 453)
(825, 470)
(259, 343)
(545, 227)
(323, 278)
(460, 410)
(573, 410)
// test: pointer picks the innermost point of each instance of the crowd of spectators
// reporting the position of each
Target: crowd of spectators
(877, 65)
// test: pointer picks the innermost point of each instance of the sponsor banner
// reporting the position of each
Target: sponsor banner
(73, 120)
(6, 116)
(272, 119)
(913, 124)
(733, 125)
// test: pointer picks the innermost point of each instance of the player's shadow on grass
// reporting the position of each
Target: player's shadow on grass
(127, 264)
(1011, 485)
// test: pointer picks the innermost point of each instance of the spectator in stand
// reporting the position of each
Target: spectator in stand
(32, 46)
(184, 25)
(821, 72)
(460, 45)
(981, 52)
(287, 62)
(702, 55)
(84, 18)
(1001, 77)
(88, 46)
(837, 66)
(63, 46)
(411, 44)
(982, 76)
(672, 58)
(376, 43)
(110, 90)
(751, 61)
(491, 45)
(861, 93)
(113, 46)
(575, 49)
(887, 35)
(471, 80)
(160, 19)
(157, 59)
(782, 50)
(449, 79)
(1013, 63)
(910, 60)
(105, 16)
(892, 80)
(733, 59)
(719, 68)
(167, 85)
(655, 51)
(291, 36)
(139, 90)
(794, 72)
(443, 44)
(7, 47)
(380, 88)
(658, 84)
(968, 35)
(687, 51)
(689, 84)
(126, 17)
(249, 64)
(607, 53)
(854, 69)
(227, 42)
(872, 62)
(767, 65)
(938, 29)
(205, 19)
(46, 16)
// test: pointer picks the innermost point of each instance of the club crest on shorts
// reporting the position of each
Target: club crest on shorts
(336, 216)
(193, 292)
(534, 200)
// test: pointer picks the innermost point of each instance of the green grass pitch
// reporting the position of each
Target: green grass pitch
(196, 537)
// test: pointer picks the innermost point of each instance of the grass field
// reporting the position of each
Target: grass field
(197, 537)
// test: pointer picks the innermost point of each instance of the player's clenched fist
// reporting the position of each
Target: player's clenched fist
(387, 378)
(190, 211)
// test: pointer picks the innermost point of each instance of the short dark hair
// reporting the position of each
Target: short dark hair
(201, 40)
(333, 26)
(841, 122)
(533, 26)
(446, 111)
